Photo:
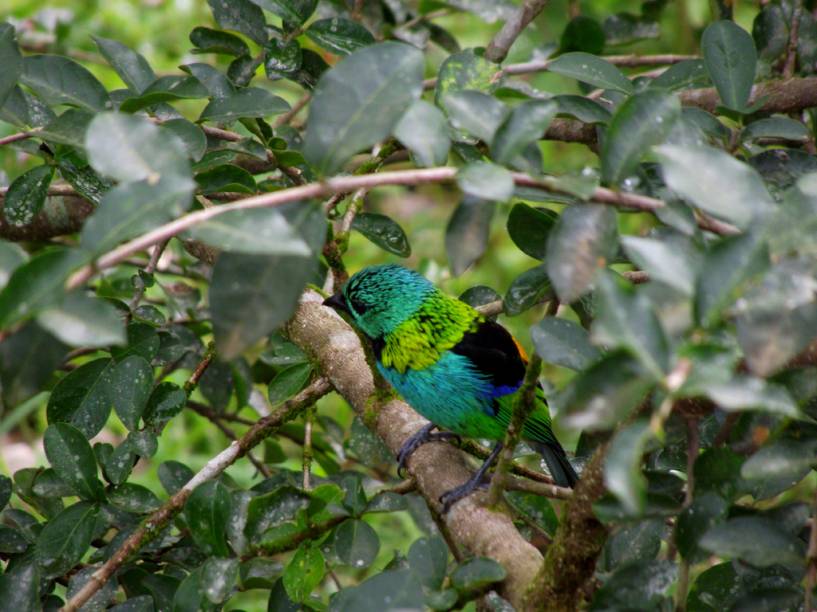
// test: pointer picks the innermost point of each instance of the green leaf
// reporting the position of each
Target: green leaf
(749, 393)
(82, 320)
(65, 538)
(386, 501)
(190, 596)
(5, 490)
(683, 75)
(174, 475)
(643, 585)
(82, 397)
(304, 572)
(673, 259)
(248, 102)
(622, 466)
(260, 231)
(206, 511)
(218, 578)
(131, 67)
(462, 71)
(775, 127)
(37, 284)
(391, 589)
(698, 174)
(359, 101)
(226, 177)
(69, 128)
(130, 148)
(592, 70)
(26, 195)
(564, 343)
(12, 256)
(165, 89)
(581, 243)
(356, 543)
(626, 28)
(631, 543)
(27, 359)
(191, 135)
(10, 59)
(601, 396)
(252, 295)
(581, 108)
(754, 539)
(526, 124)
(338, 35)
(536, 509)
(20, 584)
(644, 120)
(207, 40)
(694, 521)
(582, 34)
(527, 290)
(131, 385)
(218, 86)
(783, 459)
(25, 110)
(83, 178)
(60, 80)
(725, 269)
(730, 58)
(530, 227)
(73, 460)
(288, 382)
(143, 340)
(132, 497)
(476, 574)
(466, 235)
(482, 179)
(384, 232)
(296, 12)
(12, 541)
(282, 59)
(423, 131)
(242, 16)
(625, 319)
(475, 112)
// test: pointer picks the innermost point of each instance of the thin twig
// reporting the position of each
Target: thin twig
(290, 114)
(791, 49)
(150, 268)
(309, 417)
(693, 446)
(18, 137)
(501, 43)
(193, 381)
(151, 526)
(543, 489)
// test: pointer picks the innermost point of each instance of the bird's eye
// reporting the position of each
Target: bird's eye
(359, 307)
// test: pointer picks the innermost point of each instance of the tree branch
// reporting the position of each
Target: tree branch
(499, 46)
(59, 216)
(436, 467)
(151, 526)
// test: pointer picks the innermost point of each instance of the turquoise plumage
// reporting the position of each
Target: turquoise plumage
(456, 368)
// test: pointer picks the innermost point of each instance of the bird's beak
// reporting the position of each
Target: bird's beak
(337, 302)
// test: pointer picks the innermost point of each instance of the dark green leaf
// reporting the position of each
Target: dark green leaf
(12, 541)
(27, 359)
(12, 256)
(60, 80)
(476, 574)
(134, 498)
(530, 288)
(48, 484)
(784, 459)
(20, 584)
(340, 36)
(131, 385)
(683, 75)
(639, 586)
(604, 394)
(530, 227)
(705, 511)
(207, 510)
(131, 67)
(165, 89)
(100, 599)
(304, 572)
(749, 393)
(174, 475)
(82, 320)
(214, 41)
(25, 110)
(65, 538)
(462, 71)
(252, 295)
(10, 59)
(26, 195)
(73, 460)
(583, 109)
(536, 508)
(5, 491)
(698, 174)
(592, 70)
(564, 343)
(248, 102)
(622, 466)
(466, 235)
(582, 34)
(288, 382)
(191, 135)
(625, 28)
(754, 539)
(218, 86)
(776, 128)
(242, 16)
(718, 470)
(295, 12)
(385, 501)
(282, 59)
(643, 121)
(258, 231)
(384, 232)
(525, 125)
(730, 58)
(166, 401)
(625, 319)
(475, 112)
(487, 181)
(143, 340)
(423, 131)
(359, 101)
(640, 541)
(428, 559)
(190, 596)
(581, 242)
(227, 177)
(393, 589)
(356, 543)
(69, 128)
(673, 259)
(218, 578)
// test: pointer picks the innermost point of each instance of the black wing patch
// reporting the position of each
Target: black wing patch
(493, 352)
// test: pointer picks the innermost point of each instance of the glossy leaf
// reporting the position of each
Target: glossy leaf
(242, 16)
(207, 510)
(338, 35)
(428, 559)
(26, 195)
(487, 181)
(530, 227)
(754, 539)
(672, 260)
(356, 543)
(207, 40)
(384, 232)
(423, 131)
(248, 102)
(293, 11)
(749, 393)
(73, 460)
(288, 382)
(81, 320)
(82, 397)
(527, 290)
(730, 58)
(525, 125)
(65, 539)
(131, 67)
(304, 572)
(775, 128)
(359, 101)
(622, 466)
(254, 231)
(563, 342)
(463, 71)
(475, 112)
(60, 80)
(396, 589)
(475, 574)
(131, 385)
(466, 235)
(592, 70)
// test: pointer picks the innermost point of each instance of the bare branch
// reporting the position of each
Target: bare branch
(498, 48)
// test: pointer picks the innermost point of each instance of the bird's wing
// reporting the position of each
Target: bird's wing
(495, 354)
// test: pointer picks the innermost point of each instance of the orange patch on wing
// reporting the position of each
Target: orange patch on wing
(522, 352)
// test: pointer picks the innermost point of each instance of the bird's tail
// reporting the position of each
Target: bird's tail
(558, 464)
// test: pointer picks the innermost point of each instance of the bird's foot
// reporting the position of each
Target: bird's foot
(423, 436)
(476, 482)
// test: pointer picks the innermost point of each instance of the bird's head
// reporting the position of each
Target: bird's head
(379, 298)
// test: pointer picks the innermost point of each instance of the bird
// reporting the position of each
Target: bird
(452, 365)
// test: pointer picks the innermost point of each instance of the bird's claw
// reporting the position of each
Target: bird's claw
(423, 436)
(449, 498)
